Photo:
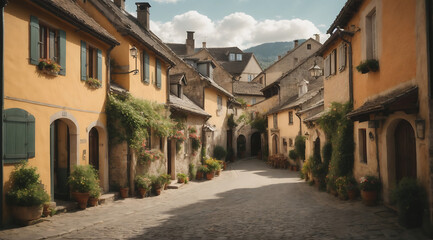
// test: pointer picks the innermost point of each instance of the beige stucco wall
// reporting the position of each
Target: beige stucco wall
(252, 68)
(219, 136)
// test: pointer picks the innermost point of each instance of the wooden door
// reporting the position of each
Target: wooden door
(94, 148)
(405, 151)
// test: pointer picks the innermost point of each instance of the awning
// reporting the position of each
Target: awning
(405, 99)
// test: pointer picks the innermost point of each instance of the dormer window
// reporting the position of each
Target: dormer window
(239, 57)
(232, 57)
(302, 87)
(206, 68)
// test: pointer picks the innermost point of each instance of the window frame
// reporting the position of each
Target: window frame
(238, 57)
(342, 57)
(362, 145)
(232, 57)
(371, 34)
(290, 117)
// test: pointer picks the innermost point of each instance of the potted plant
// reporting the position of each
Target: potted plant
(124, 191)
(410, 197)
(157, 184)
(81, 181)
(369, 186)
(181, 177)
(367, 66)
(192, 171)
(26, 195)
(93, 83)
(209, 173)
(143, 184)
(49, 67)
(94, 194)
(167, 180)
(352, 188)
(219, 153)
(213, 166)
(341, 184)
(200, 171)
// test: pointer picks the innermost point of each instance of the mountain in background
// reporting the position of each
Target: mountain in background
(267, 53)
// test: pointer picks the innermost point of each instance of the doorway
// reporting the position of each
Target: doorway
(405, 151)
(241, 146)
(60, 151)
(94, 148)
(256, 144)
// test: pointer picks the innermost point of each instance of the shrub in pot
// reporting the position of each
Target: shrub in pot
(27, 194)
(182, 178)
(157, 184)
(81, 182)
(143, 184)
(167, 180)
(369, 186)
(410, 197)
(219, 153)
(94, 195)
(201, 170)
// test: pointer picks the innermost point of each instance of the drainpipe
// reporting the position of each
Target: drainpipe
(3, 4)
(300, 124)
(376, 123)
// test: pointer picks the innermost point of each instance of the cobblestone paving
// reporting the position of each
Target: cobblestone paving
(249, 201)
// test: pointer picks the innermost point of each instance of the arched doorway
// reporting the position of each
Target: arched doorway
(60, 147)
(275, 144)
(256, 144)
(94, 148)
(241, 146)
(405, 151)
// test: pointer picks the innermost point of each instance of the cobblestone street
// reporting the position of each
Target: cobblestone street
(248, 201)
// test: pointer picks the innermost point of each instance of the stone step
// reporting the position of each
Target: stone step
(108, 197)
(175, 185)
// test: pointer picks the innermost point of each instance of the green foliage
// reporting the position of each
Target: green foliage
(144, 155)
(157, 181)
(242, 102)
(183, 177)
(192, 170)
(345, 184)
(368, 65)
(203, 154)
(213, 165)
(369, 183)
(203, 169)
(95, 191)
(128, 119)
(141, 181)
(300, 146)
(306, 168)
(166, 177)
(231, 123)
(83, 179)
(338, 152)
(260, 123)
(411, 199)
(195, 140)
(219, 152)
(26, 188)
(293, 155)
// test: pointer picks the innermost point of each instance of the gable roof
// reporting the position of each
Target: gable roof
(178, 78)
(345, 14)
(178, 48)
(295, 102)
(247, 88)
(74, 14)
(233, 67)
(125, 23)
(186, 105)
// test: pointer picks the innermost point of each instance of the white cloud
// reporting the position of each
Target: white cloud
(237, 29)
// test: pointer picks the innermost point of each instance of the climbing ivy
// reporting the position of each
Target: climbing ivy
(129, 119)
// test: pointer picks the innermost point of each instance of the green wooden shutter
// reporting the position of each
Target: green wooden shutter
(62, 52)
(158, 73)
(83, 61)
(19, 135)
(99, 64)
(146, 67)
(34, 40)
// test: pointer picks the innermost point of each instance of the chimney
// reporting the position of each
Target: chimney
(143, 14)
(190, 45)
(296, 42)
(317, 36)
(204, 44)
(120, 4)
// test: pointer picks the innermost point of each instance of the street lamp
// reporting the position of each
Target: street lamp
(133, 52)
(315, 71)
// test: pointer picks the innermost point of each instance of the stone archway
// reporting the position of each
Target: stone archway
(98, 151)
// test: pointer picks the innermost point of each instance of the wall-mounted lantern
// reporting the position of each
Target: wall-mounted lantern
(315, 71)
(134, 54)
(420, 128)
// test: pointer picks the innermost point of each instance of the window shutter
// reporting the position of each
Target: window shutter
(62, 52)
(158, 73)
(333, 62)
(327, 66)
(342, 57)
(19, 135)
(99, 64)
(146, 67)
(83, 61)
(34, 40)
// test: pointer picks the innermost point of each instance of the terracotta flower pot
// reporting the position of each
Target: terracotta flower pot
(25, 214)
(158, 191)
(210, 175)
(93, 201)
(351, 194)
(142, 192)
(165, 186)
(81, 198)
(199, 175)
(180, 180)
(124, 192)
(369, 198)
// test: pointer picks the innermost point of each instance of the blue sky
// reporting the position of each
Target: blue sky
(240, 22)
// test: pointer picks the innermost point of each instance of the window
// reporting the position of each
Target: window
(238, 57)
(362, 140)
(285, 145)
(327, 67)
(371, 35)
(342, 57)
(290, 142)
(253, 101)
(145, 67)
(232, 57)
(220, 102)
(302, 88)
(19, 135)
(333, 61)
(47, 43)
(91, 62)
(158, 73)
(309, 46)
(275, 118)
(291, 118)
(250, 77)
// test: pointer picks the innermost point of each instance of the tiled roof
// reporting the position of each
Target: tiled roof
(247, 88)
(403, 99)
(315, 117)
(74, 14)
(296, 101)
(178, 48)
(185, 104)
(176, 78)
(218, 87)
(233, 67)
(126, 23)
